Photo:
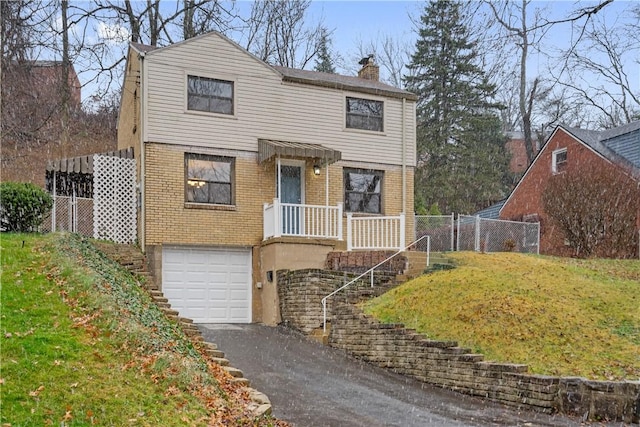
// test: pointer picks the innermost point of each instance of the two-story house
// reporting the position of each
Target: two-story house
(245, 169)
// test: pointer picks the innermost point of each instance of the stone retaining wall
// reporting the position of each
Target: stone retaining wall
(301, 291)
(444, 364)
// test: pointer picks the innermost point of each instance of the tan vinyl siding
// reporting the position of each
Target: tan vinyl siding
(264, 107)
(129, 115)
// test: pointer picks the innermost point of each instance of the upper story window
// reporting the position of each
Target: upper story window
(365, 114)
(559, 160)
(209, 179)
(363, 190)
(211, 95)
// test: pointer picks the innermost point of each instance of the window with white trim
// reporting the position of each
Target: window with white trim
(210, 95)
(363, 190)
(365, 114)
(559, 160)
(209, 179)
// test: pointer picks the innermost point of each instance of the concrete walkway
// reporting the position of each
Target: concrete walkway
(313, 385)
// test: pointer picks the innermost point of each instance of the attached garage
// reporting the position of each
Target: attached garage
(208, 285)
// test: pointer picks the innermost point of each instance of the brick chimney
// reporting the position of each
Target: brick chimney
(369, 70)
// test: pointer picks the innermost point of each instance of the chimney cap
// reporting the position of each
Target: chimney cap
(366, 60)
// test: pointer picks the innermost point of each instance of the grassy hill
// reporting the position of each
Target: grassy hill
(560, 316)
(82, 344)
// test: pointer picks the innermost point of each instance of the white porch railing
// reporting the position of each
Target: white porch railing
(288, 219)
(375, 233)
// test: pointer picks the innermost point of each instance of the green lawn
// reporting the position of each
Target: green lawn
(82, 344)
(560, 316)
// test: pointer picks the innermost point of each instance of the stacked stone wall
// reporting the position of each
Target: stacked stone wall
(301, 291)
(445, 364)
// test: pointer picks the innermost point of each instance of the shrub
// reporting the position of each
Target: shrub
(22, 206)
(599, 214)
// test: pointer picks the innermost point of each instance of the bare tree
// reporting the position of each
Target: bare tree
(390, 53)
(599, 78)
(526, 33)
(277, 33)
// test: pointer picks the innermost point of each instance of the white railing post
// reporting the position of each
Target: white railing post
(452, 231)
(428, 250)
(339, 221)
(53, 215)
(324, 315)
(458, 237)
(349, 229)
(265, 229)
(277, 215)
(69, 214)
(402, 230)
(538, 251)
(477, 239)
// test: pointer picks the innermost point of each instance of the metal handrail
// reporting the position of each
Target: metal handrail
(324, 300)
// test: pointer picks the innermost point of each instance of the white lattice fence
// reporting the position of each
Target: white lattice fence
(114, 199)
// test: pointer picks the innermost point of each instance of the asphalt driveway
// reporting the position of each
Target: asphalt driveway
(313, 385)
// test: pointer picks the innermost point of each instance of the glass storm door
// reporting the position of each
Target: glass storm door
(291, 193)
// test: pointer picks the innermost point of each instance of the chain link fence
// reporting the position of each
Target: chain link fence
(440, 229)
(70, 213)
(472, 233)
(494, 235)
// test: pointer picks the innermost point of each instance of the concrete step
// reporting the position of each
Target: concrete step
(211, 346)
(215, 353)
(234, 372)
(241, 381)
(220, 361)
(169, 312)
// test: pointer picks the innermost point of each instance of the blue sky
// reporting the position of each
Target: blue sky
(352, 21)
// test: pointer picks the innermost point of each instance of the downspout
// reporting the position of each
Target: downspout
(143, 130)
(404, 159)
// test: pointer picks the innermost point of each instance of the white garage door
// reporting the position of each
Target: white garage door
(208, 285)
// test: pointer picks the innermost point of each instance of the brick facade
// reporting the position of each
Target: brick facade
(526, 200)
(169, 220)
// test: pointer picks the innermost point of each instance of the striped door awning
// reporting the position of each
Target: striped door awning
(268, 148)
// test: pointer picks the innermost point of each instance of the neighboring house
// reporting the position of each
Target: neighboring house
(247, 168)
(491, 212)
(571, 149)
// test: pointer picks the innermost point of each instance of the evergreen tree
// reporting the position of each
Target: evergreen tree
(324, 61)
(462, 161)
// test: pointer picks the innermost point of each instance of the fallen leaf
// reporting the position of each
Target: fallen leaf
(67, 416)
(8, 335)
(74, 385)
(57, 362)
(36, 392)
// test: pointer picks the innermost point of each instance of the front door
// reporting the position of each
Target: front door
(291, 197)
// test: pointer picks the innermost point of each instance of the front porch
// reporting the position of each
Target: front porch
(326, 222)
